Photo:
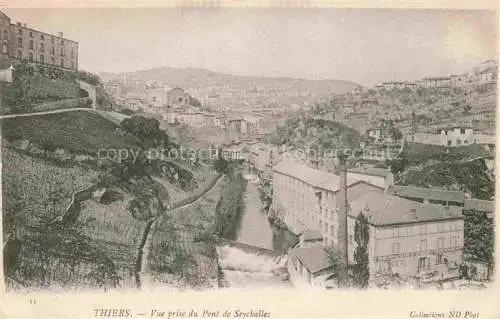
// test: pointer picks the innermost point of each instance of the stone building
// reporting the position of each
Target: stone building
(21, 42)
(177, 97)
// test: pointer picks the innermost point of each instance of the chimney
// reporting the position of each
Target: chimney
(342, 232)
(61, 34)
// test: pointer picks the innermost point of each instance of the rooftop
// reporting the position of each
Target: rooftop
(311, 176)
(479, 205)
(311, 234)
(383, 209)
(427, 193)
(373, 171)
(314, 258)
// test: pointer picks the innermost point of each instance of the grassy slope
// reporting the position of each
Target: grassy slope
(79, 132)
(417, 153)
(111, 228)
(451, 168)
(183, 243)
(27, 183)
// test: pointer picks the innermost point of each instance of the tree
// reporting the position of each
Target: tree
(338, 268)
(361, 273)
(221, 165)
(397, 166)
(396, 134)
(479, 237)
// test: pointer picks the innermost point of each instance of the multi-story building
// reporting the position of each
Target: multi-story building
(435, 82)
(459, 80)
(306, 198)
(157, 97)
(114, 89)
(407, 237)
(177, 97)
(456, 135)
(24, 43)
(136, 104)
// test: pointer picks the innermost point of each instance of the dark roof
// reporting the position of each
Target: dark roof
(312, 234)
(314, 258)
(383, 209)
(427, 193)
(373, 171)
(479, 205)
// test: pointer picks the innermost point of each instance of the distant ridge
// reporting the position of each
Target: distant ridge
(196, 77)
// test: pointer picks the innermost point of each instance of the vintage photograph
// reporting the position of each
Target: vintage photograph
(180, 149)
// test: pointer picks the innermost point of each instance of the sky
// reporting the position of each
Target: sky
(366, 46)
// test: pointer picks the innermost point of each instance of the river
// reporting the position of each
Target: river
(245, 269)
(255, 229)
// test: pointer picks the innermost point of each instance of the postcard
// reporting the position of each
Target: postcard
(230, 160)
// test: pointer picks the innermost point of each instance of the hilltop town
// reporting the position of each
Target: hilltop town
(175, 179)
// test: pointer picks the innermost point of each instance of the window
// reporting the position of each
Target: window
(423, 229)
(395, 232)
(52, 40)
(6, 34)
(61, 63)
(19, 54)
(30, 45)
(61, 51)
(439, 258)
(72, 54)
(30, 57)
(52, 60)
(422, 263)
(459, 142)
(20, 32)
(42, 58)
(449, 143)
(440, 227)
(42, 47)
(453, 241)
(326, 227)
(462, 131)
(53, 51)
(62, 42)
(20, 42)
(331, 230)
(320, 224)
(423, 245)
(42, 37)
(440, 243)
(395, 248)
(410, 231)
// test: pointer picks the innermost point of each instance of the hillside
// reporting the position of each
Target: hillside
(319, 134)
(79, 222)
